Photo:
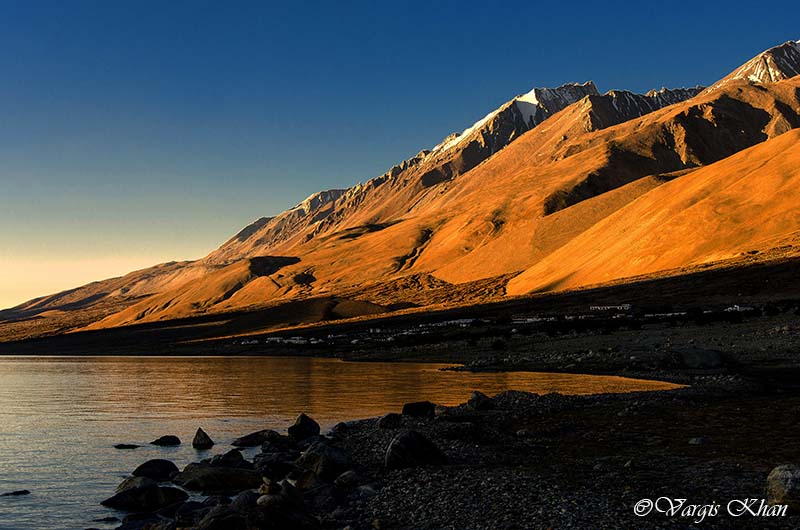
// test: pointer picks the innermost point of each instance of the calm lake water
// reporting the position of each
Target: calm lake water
(61, 416)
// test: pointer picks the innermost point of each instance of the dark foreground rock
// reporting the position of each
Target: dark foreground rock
(303, 428)
(254, 439)
(145, 495)
(17, 493)
(480, 401)
(166, 441)
(411, 449)
(156, 469)
(419, 409)
(232, 458)
(217, 479)
(783, 486)
(392, 420)
(202, 440)
(324, 461)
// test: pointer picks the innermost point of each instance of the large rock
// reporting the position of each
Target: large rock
(783, 486)
(411, 449)
(202, 440)
(419, 409)
(325, 461)
(207, 478)
(190, 513)
(392, 420)
(304, 427)
(135, 482)
(245, 501)
(257, 438)
(480, 401)
(232, 458)
(284, 510)
(275, 465)
(156, 469)
(145, 496)
(168, 440)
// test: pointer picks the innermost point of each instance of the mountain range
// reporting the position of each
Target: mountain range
(559, 188)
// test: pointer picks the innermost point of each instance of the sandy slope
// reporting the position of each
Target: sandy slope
(750, 201)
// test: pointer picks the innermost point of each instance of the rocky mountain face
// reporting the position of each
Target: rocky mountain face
(541, 188)
(617, 106)
(411, 184)
(775, 64)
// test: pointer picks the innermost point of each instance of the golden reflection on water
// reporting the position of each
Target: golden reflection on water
(276, 387)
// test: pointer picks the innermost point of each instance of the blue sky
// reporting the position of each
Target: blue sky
(139, 132)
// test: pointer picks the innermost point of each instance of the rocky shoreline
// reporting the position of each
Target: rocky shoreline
(513, 461)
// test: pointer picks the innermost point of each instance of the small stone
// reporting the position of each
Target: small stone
(126, 446)
(202, 440)
(166, 441)
(347, 480)
(269, 487)
(700, 440)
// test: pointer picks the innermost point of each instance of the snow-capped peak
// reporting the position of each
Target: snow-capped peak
(770, 66)
(315, 200)
(534, 106)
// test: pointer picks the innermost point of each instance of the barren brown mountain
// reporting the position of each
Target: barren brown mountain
(558, 188)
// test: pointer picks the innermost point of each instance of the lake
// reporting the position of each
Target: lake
(61, 416)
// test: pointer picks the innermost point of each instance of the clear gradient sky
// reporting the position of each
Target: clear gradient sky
(138, 132)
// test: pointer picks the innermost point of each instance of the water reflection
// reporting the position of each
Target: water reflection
(277, 388)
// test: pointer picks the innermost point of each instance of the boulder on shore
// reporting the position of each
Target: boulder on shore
(202, 440)
(325, 461)
(304, 427)
(480, 401)
(420, 409)
(392, 420)
(232, 458)
(168, 440)
(156, 469)
(144, 495)
(256, 438)
(783, 486)
(208, 478)
(411, 449)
